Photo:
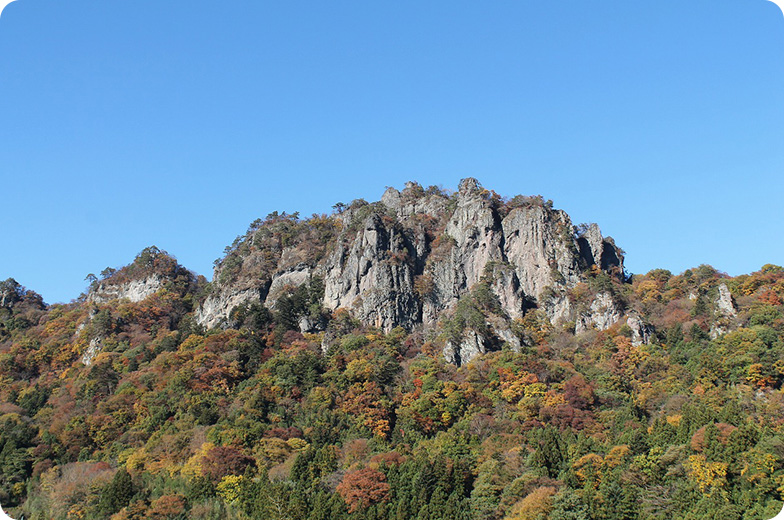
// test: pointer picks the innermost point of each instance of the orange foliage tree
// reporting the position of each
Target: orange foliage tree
(363, 488)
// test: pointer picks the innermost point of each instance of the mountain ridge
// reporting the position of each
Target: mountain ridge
(431, 356)
(410, 257)
(406, 260)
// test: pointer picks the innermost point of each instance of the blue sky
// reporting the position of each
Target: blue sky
(127, 124)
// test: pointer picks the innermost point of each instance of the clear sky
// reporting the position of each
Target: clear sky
(127, 124)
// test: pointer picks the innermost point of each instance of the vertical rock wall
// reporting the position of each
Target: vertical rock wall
(410, 258)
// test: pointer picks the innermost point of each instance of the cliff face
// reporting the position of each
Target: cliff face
(410, 258)
(133, 290)
(151, 271)
(373, 275)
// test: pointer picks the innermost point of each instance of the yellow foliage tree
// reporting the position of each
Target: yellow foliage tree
(230, 488)
(193, 467)
(588, 468)
(535, 506)
(706, 474)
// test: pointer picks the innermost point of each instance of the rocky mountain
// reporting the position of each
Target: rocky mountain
(408, 259)
(435, 354)
(151, 271)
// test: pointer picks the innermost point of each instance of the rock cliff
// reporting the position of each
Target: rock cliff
(133, 290)
(725, 312)
(151, 271)
(410, 258)
(373, 274)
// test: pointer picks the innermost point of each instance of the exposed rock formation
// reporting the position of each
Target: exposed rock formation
(274, 256)
(284, 280)
(603, 313)
(151, 271)
(410, 258)
(472, 345)
(641, 331)
(218, 306)
(725, 306)
(374, 276)
(507, 288)
(597, 250)
(413, 200)
(540, 244)
(92, 350)
(725, 314)
(133, 290)
(10, 292)
(471, 240)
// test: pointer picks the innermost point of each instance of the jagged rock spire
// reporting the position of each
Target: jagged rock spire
(411, 257)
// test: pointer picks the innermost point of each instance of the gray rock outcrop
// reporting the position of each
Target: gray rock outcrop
(282, 281)
(597, 250)
(413, 200)
(132, 290)
(472, 345)
(151, 271)
(408, 260)
(472, 239)
(725, 314)
(725, 305)
(540, 244)
(10, 292)
(602, 314)
(216, 309)
(641, 331)
(93, 349)
(373, 276)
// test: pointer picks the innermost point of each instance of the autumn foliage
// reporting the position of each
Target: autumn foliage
(131, 410)
(362, 488)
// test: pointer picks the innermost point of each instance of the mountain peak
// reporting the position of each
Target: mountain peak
(410, 258)
(151, 270)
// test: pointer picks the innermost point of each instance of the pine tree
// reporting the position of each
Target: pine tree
(551, 453)
(117, 494)
(567, 505)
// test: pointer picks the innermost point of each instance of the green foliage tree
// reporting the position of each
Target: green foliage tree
(550, 452)
(117, 494)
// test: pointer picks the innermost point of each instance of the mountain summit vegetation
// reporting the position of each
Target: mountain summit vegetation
(433, 355)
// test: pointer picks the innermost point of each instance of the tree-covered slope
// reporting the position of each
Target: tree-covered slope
(475, 386)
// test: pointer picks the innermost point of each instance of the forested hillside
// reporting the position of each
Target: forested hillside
(430, 356)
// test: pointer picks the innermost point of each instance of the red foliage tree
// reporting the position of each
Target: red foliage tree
(224, 460)
(362, 488)
(579, 392)
(723, 431)
(167, 506)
